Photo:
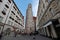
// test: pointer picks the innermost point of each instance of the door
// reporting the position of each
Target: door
(49, 29)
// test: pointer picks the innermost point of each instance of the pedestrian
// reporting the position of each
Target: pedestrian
(15, 34)
(33, 37)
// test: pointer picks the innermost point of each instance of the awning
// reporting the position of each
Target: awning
(49, 23)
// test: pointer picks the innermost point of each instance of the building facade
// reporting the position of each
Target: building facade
(48, 18)
(29, 20)
(10, 16)
(34, 19)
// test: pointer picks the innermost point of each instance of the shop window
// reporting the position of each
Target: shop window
(9, 1)
(6, 6)
(0, 0)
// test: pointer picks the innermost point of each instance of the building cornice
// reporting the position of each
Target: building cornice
(17, 7)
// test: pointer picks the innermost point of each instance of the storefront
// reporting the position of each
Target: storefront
(52, 28)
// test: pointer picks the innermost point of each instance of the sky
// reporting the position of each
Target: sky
(23, 4)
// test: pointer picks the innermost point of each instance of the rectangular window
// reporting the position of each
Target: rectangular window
(11, 18)
(3, 12)
(1, 18)
(6, 6)
(0, 0)
(14, 7)
(13, 12)
(9, 1)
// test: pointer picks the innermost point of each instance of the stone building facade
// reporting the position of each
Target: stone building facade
(29, 20)
(34, 19)
(10, 16)
(48, 18)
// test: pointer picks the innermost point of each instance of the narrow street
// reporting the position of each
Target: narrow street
(25, 37)
(29, 19)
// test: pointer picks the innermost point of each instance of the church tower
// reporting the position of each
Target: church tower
(29, 20)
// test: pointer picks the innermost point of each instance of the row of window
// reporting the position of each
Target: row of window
(54, 10)
(18, 23)
(8, 0)
(20, 14)
(11, 18)
(16, 16)
(11, 23)
(17, 11)
(4, 10)
(15, 21)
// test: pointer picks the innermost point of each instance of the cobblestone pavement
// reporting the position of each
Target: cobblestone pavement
(25, 37)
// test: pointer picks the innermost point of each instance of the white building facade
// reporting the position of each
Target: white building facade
(10, 15)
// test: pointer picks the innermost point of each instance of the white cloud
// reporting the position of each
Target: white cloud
(35, 7)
